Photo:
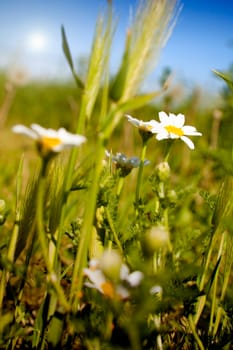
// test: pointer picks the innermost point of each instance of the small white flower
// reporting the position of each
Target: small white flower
(99, 281)
(108, 287)
(50, 140)
(172, 127)
(148, 127)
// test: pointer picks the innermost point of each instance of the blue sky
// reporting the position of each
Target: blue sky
(201, 40)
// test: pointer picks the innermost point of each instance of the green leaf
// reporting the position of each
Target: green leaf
(67, 53)
(224, 207)
(55, 330)
(225, 77)
(138, 101)
(117, 86)
(212, 277)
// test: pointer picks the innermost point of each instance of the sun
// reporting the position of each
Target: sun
(37, 42)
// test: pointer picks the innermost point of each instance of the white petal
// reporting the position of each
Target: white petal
(155, 126)
(172, 119)
(162, 135)
(122, 292)
(94, 264)
(21, 129)
(173, 136)
(124, 272)
(191, 130)
(188, 142)
(95, 276)
(133, 121)
(70, 139)
(40, 131)
(75, 140)
(164, 118)
(135, 278)
(90, 285)
(108, 154)
(179, 120)
(58, 148)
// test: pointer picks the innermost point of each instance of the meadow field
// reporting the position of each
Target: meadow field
(116, 204)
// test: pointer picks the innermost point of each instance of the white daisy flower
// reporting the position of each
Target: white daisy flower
(106, 286)
(50, 140)
(99, 282)
(172, 127)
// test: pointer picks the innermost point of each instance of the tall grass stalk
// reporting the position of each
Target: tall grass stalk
(43, 238)
(14, 236)
(151, 28)
(224, 210)
(86, 231)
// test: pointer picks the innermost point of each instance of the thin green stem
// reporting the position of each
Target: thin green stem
(111, 224)
(196, 336)
(40, 215)
(168, 150)
(140, 173)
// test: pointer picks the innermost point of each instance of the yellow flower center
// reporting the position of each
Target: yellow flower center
(174, 130)
(108, 289)
(49, 142)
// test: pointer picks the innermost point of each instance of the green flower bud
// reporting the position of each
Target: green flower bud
(163, 171)
(172, 196)
(155, 239)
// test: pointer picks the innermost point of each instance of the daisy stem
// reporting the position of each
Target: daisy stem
(140, 172)
(168, 150)
(40, 205)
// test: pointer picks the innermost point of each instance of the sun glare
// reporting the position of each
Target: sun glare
(37, 42)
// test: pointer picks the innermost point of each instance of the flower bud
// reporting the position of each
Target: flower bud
(163, 171)
(155, 239)
(110, 264)
(172, 196)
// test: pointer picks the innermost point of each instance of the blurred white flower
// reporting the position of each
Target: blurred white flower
(50, 140)
(109, 287)
(172, 127)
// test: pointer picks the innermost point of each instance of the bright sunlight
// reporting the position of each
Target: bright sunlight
(36, 42)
